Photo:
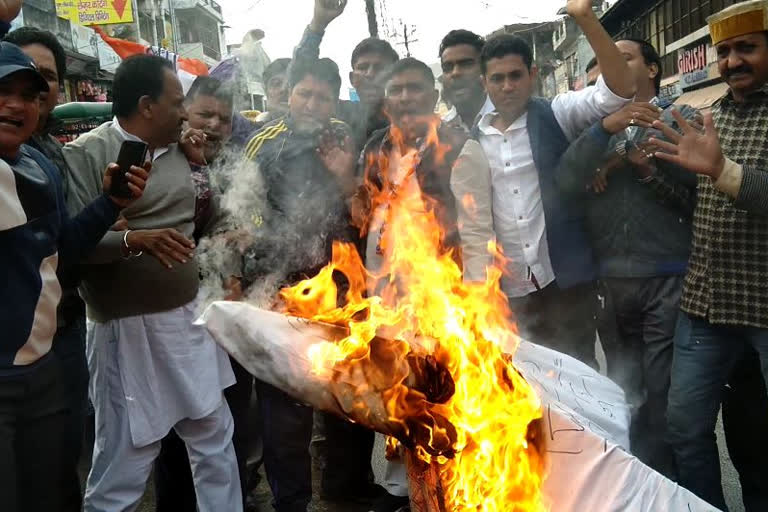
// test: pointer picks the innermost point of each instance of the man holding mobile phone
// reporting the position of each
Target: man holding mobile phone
(151, 369)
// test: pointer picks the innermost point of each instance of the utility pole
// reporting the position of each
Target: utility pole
(174, 27)
(370, 11)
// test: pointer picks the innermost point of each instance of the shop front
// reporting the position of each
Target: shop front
(700, 83)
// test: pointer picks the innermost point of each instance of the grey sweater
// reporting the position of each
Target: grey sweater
(112, 286)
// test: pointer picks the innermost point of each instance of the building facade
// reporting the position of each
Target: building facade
(191, 28)
(560, 49)
(539, 38)
(572, 50)
(678, 29)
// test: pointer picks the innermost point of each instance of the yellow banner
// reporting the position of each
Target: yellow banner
(95, 12)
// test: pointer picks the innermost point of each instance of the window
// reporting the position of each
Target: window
(146, 28)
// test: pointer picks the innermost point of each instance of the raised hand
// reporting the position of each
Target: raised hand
(697, 151)
(325, 12)
(9, 9)
(579, 8)
(192, 143)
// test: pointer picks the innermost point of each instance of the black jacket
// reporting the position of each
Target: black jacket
(632, 230)
(303, 208)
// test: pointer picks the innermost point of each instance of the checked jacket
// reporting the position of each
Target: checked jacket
(727, 280)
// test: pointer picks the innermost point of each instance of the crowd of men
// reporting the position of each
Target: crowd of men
(618, 214)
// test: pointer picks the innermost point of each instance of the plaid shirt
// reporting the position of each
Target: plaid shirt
(727, 280)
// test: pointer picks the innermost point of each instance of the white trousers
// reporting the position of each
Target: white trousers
(120, 470)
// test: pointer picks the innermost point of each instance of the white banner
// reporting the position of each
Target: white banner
(586, 419)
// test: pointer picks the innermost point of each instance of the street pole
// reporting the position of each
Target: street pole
(174, 40)
(370, 11)
(155, 38)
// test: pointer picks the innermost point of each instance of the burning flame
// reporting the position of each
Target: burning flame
(418, 296)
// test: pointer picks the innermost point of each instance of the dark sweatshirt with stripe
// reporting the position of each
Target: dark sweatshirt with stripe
(38, 238)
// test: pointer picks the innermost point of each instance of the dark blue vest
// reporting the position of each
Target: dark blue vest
(569, 249)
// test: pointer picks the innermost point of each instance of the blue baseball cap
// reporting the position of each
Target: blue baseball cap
(13, 60)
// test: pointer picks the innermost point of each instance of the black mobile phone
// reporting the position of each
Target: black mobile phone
(131, 153)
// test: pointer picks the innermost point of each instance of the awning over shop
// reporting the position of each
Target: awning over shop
(74, 111)
(704, 97)
(79, 65)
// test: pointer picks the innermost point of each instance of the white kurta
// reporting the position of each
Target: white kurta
(169, 368)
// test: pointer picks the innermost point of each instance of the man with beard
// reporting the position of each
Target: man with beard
(307, 162)
(152, 370)
(550, 268)
(463, 78)
(725, 300)
(369, 58)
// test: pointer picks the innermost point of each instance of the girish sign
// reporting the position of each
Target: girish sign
(694, 63)
(692, 59)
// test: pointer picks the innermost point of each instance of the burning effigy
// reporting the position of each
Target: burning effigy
(416, 352)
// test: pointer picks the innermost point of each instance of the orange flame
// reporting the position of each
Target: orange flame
(418, 296)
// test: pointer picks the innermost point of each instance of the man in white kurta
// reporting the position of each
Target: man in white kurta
(151, 369)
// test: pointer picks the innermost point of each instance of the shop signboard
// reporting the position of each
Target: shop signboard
(697, 63)
(95, 12)
(108, 59)
(670, 91)
(85, 40)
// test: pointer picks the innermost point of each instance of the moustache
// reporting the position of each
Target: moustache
(740, 69)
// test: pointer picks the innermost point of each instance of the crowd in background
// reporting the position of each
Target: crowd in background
(619, 215)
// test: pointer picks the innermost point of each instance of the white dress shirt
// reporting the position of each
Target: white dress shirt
(452, 117)
(518, 211)
(129, 136)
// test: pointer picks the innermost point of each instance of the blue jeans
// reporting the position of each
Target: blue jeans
(705, 356)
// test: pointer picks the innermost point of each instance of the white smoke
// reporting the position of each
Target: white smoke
(249, 239)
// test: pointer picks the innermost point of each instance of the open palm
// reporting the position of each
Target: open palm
(697, 151)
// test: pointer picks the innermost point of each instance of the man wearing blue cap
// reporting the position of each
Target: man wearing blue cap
(38, 240)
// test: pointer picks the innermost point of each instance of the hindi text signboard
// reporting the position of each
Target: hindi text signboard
(95, 12)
